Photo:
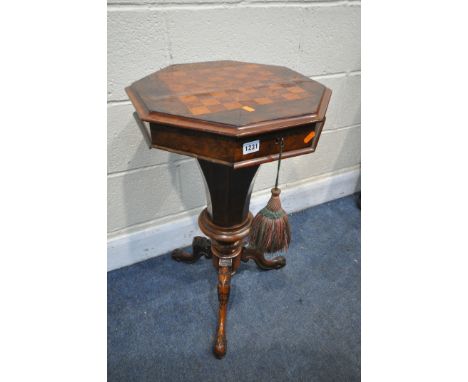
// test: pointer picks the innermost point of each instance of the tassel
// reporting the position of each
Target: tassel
(270, 231)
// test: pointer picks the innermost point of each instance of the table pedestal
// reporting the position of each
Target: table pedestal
(226, 221)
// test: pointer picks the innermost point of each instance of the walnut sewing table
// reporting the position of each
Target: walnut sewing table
(230, 116)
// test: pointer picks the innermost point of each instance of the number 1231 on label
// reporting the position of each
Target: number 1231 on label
(250, 147)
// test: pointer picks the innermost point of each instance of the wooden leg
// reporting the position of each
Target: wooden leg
(259, 258)
(224, 286)
(201, 246)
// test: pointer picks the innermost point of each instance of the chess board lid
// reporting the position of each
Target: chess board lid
(229, 97)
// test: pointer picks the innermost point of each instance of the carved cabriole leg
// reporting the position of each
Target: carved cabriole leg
(224, 287)
(259, 258)
(226, 247)
(201, 246)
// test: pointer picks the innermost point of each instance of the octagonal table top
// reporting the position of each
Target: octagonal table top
(229, 97)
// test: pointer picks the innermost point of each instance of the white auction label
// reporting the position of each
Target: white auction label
(250, 147)
(225, 262)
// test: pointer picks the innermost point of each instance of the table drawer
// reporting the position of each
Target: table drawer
(237, 151)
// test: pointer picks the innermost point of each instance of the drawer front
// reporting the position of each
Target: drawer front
(237, 152)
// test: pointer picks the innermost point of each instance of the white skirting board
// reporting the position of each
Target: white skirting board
(161, 238)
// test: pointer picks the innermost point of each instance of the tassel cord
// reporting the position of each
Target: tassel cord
(270, 231)
(279, 161)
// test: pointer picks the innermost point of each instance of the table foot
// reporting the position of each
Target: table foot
(262, 262)
(201, 246)
(224, 286)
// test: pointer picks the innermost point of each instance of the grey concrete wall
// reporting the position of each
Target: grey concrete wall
(320, 39)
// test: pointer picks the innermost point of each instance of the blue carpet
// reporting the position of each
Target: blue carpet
(299, 323)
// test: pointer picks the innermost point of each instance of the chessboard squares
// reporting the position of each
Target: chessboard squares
(204, 96)
(263, 100)
(274, 94)
(210, 101)
(291, 96)
(296, 89)
(199, 110)
(232, 105)
(216, 108)
(188, 99)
